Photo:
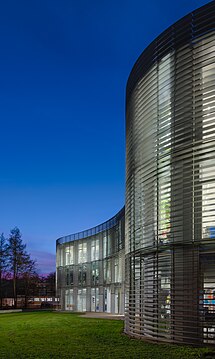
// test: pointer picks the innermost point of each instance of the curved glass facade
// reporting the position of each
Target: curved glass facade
(170, 185)
(90, 268)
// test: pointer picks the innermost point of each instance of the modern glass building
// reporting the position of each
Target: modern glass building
(170, 185)
(161, 247)
(90, 268)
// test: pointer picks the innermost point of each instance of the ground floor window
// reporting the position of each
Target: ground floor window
(81, 300)
(107, 300)
(208, 298)
(94, 299)
(69, 304)
(117, 300)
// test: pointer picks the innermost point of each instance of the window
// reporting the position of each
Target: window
(69, 276)
(95, 273)
(69, 305)
(82, 275)
(60, 252)
(81, 299)
(82, 252)
(118, 269)
(107, 271)
(94, 299)
(69, 255)
(207, 166)
(104, 246)
(95, 250)
(164, 147)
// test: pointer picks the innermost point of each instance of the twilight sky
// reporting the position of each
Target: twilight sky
(63, 71)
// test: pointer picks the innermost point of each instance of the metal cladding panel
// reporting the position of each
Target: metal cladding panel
(170, 185)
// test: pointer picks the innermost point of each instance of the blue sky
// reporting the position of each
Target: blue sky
(63, 68)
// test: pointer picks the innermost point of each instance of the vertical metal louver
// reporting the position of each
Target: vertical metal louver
(170, 185)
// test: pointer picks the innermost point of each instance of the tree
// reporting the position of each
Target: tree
(46, 289)
(47, 285)
(3, 264)
(29, 278)
(51, 284)
(17, 258)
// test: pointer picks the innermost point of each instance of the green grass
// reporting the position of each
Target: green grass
(61, 335)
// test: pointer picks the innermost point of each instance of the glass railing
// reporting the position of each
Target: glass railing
(112, 222)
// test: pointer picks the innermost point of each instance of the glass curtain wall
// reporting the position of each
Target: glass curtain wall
(90, 268)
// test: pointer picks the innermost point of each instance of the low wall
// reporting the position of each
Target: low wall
(10, 311)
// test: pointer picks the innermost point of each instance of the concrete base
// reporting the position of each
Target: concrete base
(103, 315)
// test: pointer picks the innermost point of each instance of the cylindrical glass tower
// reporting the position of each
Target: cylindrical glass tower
(170, 185)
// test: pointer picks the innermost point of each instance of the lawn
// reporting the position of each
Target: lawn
(61, 335)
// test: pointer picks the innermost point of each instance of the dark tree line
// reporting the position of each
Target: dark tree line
(18, 272)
